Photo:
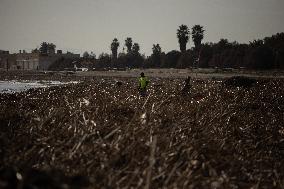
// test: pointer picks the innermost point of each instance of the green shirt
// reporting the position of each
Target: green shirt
(143, 82)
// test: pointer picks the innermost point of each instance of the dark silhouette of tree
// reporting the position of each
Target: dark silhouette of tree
(103, 61)
(128, 44)
(261, 58)
(133, 58)
(86, 54)
(183, 37)
(223, 44)
(267, 53)
(51, 48)
(63, 63)
(185, 60)
(43, 48)
(156, 57)
(157, 50)
(114, 47)
(256, 43)
(136, 49)
(205, 55)
(47, 48)
(197, 35)
(276, 43)
(92, 55)
(171, 59)
(35, 50)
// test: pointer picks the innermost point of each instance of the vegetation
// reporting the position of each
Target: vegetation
(135, 49)
(128, 44)
(262, 54)
(267, 53)
(86, 54)
(197, 35)
(114, 46)
(47, 48)
(183, 37)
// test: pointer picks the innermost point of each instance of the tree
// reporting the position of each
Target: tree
(171, 59)
(47, 48)
(185, 60)
(205, 55)
(103, 61)
(197, 35)
(183, 37)
(86, 54)
(261, 58)
(35, 50)
(43, 48)
(256, 43)
(157, 50)
(155, 59)
(92, 55)
(51, 48)
(222, 45)
(128, 44)
(114, 46)
(136, 49)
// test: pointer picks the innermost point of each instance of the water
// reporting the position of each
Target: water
(19, 86)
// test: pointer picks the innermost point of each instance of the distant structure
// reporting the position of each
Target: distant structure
(31, 61)
(6, 59)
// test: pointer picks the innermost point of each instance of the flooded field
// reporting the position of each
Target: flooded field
(19, 86)
(225, 133)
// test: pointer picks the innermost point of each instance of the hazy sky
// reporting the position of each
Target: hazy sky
(91, 25)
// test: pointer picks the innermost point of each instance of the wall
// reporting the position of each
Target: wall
(30, 61)
(7, 61)
(27, 61)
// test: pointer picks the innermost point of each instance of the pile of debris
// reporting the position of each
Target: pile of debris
(11, 178)
(215, 137)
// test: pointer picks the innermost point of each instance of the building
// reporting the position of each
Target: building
(31, 61)
(7, 60)
(27, 61)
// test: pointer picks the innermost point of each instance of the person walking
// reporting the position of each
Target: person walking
(143, 83)
(187, 86)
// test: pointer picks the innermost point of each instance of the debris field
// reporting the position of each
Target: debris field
(221, 134)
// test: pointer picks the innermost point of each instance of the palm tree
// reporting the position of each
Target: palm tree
(128, 44)
(197, 35)
(183, 37)
(114, 46)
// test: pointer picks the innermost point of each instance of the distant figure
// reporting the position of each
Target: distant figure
(187, 86)
(143, 83)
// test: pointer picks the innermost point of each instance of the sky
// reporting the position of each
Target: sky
(91, 25)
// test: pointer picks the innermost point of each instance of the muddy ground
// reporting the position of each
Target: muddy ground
(220, 135)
